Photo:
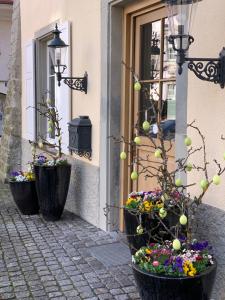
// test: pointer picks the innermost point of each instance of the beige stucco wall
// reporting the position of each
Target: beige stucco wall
(85, 36)
(206, 101)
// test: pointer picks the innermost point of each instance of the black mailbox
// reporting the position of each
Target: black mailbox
(80, 136)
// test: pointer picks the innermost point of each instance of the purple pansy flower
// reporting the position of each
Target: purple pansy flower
(199, 246)
(15, 173)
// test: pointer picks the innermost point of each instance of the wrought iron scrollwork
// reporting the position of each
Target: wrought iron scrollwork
(77, 83)
(83, 154)
(209, 69)
(205, 70)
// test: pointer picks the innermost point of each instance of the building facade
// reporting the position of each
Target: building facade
(5, 34)
(106, 38)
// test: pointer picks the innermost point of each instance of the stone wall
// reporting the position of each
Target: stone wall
(211, 227)
(10, 147)
(83, 196)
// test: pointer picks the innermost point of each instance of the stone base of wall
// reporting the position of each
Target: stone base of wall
(211, 227)
(83, 196)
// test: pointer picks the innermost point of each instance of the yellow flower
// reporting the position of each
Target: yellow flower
(129, 200)
(29, 175)
(189, 269)
(148, 251)
(147, 206)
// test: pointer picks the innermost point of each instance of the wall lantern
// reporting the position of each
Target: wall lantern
(80, 136)
(75, 83)
(181, 14)
(155, 50)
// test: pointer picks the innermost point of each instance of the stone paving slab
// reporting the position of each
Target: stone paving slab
(52, 260)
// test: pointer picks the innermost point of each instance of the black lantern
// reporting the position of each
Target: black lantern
(181, 14)
(75, 83)
(80, 136)
(155, 50)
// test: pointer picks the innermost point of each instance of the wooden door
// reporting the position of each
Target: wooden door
(145, 21)
(154, 62)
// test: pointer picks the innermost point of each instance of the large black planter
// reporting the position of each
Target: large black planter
(161, 287)
(151, 226)
(25, 197)
(52, 184)
(135, 241)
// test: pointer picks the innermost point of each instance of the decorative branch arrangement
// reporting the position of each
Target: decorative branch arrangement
(171, 206)
(50, 112)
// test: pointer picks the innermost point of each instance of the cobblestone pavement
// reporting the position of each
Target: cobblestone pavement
(40, 260)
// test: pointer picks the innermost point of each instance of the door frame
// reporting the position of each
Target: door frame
(116, 17)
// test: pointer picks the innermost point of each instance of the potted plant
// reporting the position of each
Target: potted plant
(174, 266)
(52, 174)
(161, 272)
(22, 186)
(141, 226)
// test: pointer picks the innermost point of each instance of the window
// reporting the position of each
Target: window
(46, 86)
(40, 85)
(158, 71)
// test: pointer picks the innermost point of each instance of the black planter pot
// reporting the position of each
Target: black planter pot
(158, 287)
(25, 197)
(135, 241)
(52, 184)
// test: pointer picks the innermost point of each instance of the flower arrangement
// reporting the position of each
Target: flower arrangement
(152, 201)
(165, 217)
(20, 176)
(42, 160)
(47, 110)
(191, 259)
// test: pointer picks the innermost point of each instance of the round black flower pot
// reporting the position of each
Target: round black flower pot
(156, 287)
(25, 196)
(52, 184)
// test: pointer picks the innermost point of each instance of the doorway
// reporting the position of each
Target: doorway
(150, 56)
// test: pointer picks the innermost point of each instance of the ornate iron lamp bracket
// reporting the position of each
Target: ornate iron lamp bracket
(209, 69)
(75, 83)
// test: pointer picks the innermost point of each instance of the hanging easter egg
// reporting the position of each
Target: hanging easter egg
(183, 220)
(158, 153)
(204, 184)
(134, 175)
(137, 86)
(187, 141)
(137, 140)
(178, 182)
(162, 213)
(176, 244)
(216, 179)
(146, 126)
(123, 155)
(188, 167)
(140, 229)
